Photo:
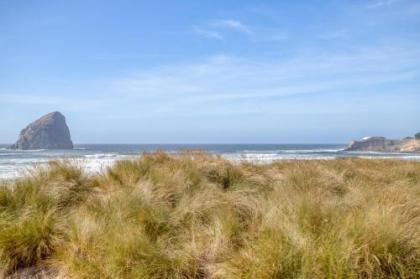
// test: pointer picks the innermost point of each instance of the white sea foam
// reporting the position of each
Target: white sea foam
(269, 158)
(306, 151)
(101, 155)
(28, 151)
(11, 171)
(94, 166)
(100, 162)
(291, 151)
(15, 166)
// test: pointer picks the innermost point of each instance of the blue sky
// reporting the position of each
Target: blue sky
(212, 71)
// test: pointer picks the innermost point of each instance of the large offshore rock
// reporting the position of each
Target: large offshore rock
(48, 132)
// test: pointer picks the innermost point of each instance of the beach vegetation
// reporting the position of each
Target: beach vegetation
(195, 215)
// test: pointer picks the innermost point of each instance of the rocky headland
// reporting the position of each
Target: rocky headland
(382, 144)
(48, 132)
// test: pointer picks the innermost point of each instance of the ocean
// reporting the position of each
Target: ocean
(97, 157)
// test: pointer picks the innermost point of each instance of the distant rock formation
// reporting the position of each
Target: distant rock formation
(48, 132)
(381, 144)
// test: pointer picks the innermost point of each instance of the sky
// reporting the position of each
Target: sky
(212, 71)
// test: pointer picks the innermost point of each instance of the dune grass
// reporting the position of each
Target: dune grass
(200, 216)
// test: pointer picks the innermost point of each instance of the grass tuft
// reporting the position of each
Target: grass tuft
(199, 216)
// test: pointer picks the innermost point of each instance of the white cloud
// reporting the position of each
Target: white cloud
(42, 100)
(222, 78)
(218, 28)
(232, 24)
(381, 3)
(211, 34)
(334, 35)
(398, 9)
(221, 29)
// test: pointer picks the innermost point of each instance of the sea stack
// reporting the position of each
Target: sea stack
(48, 132)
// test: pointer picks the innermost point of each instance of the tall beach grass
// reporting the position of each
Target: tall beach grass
(200, 216)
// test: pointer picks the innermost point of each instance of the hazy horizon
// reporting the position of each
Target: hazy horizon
(212, 71)
(197, 143)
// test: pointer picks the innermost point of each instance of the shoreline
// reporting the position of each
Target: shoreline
(97, 163)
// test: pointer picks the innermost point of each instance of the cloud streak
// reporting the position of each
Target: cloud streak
(217, 29)
(233, 80)
(381, 3)
(211, 34)
(233, 25)
(42, 100)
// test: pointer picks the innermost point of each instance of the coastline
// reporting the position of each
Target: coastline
(96, 158)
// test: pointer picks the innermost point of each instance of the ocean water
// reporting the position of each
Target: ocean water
(97, 157)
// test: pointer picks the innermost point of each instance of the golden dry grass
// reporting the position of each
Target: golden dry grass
(199, 216)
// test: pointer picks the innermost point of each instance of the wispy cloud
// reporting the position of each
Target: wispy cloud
(222, 79)
(233, 25)
(223, 28)
(401, 10)
(340, 34)
(211, 34)
(381, 3)
(218, 29)
(42, 100)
